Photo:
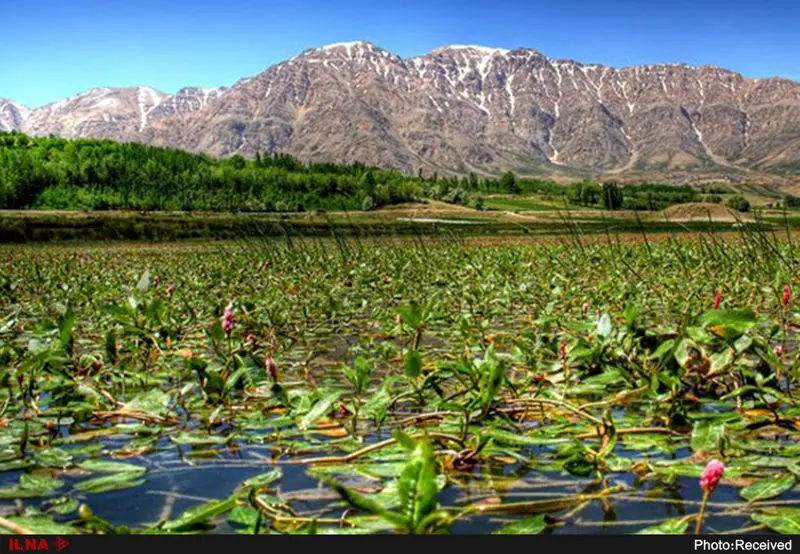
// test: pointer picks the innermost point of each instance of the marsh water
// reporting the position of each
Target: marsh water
(550, 386)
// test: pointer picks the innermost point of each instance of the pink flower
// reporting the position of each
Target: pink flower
(585, 308)
(227, 321)
(249, 340)
(717, 299)
(787, 295)
(563, 352)
(171, 289)
(711, 476)
(778, 350)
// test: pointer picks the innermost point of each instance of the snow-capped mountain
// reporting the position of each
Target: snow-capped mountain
(12, 115)
(459, 109)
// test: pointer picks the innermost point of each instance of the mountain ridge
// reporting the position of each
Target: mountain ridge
(457, 108)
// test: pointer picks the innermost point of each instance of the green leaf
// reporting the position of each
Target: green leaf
(14, 465)
(200, 514)
(404, 440)
(18, 492)
(320, 408)
(53, 457)
(113, 482)
(663, 349)
(528, 526)
(769, 487)
(579, 465)
(243, 520)
(198, 438)
(39, 482)
(413, 363)
(42, 525)
(264, 479)
(728, 324)
(780, 520)
(493, 371)
(506, 437)
(416, 487)
(669, 527)
(707, 436)
(411, 315)
(106, 466)
(64, 505)
(154, 401)
(65, 325)
(366, 504)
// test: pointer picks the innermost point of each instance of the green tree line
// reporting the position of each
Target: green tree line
(54, 173)
(90, 174)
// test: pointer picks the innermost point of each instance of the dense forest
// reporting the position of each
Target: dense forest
(89, 174)
(55, 173)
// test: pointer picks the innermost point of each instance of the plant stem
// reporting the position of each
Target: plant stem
(702, 512)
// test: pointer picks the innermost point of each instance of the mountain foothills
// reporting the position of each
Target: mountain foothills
(457, 109)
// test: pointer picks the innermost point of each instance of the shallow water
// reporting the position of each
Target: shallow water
(181, 477)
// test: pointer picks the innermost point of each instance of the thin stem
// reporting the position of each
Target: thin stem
(702, 513)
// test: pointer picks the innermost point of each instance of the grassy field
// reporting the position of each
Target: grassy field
(432, 218)
(512, 203)
(429, 383)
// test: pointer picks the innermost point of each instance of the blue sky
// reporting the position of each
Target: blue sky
(50, 49)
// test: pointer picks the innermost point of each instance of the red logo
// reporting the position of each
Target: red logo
(30, 544)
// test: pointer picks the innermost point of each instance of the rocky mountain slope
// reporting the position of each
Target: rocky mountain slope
(458, 109)
(12, 115)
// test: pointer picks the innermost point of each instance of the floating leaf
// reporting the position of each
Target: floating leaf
(707, 436)
(769, 487)
(264, 479)
(780, 520)
(154, 402)
(528, 526)
(42, 525)
(199, 438)
(200, 514)
(506, 437)
(115, 481)
(53, 457)
(243, 520)
(39, 482)
(64, 505)
(106, 466)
